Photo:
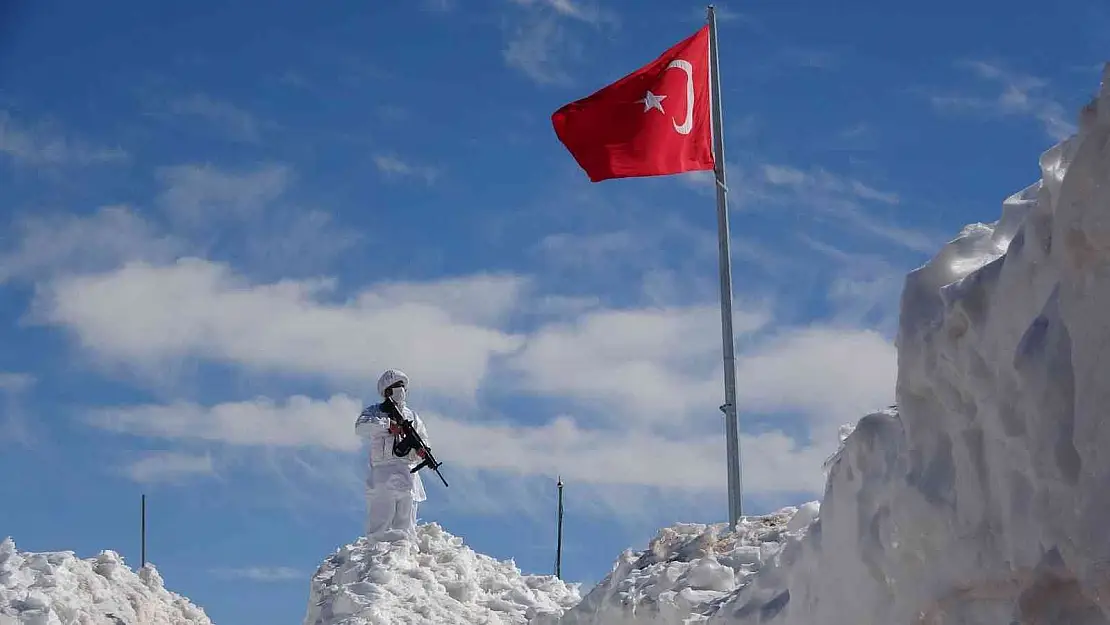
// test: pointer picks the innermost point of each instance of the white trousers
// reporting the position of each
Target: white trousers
(389, 512)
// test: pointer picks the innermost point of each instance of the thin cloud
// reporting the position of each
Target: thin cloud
(543, 39)
(391, 113)
(43, 145)
(809, 58)
(299, 421)
(866, 288)
(590, 250)
(573, 9)
(439, 6)
(843, 197)
(537, 48)
(260, 573)
(250, 209)
(52, 245)
(168, 467)
(195, 193)
(824, 182)
(15, 425)
(395, 167)
(223, 115)
(16, 382)
(1021, 95)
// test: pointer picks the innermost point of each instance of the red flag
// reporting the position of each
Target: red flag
(653, 122)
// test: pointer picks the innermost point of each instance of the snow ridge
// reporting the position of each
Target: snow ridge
(56, 588)
(435, 580)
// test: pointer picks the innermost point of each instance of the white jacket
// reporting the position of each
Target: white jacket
(387, 470)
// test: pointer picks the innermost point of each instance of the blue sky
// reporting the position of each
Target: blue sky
(222, 222)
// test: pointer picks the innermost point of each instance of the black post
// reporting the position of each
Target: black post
(142, 530)
(559, 544)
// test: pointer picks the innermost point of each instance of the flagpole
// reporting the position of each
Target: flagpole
(735, 484)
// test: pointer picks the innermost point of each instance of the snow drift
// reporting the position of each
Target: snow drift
(435, 580)
(983, 496)
(56, 588)
(687, 571)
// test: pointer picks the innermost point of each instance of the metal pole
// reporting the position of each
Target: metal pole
(735, 485)
(142, 530)
(559, 543)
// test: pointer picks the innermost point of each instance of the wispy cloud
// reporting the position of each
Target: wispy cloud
(591, 251)
(438, 6)
(859, 136)
(591, 13)
(1020, 95)
(843, 197)
(393, 166)
(542, 39)
(810, 58)
(228, 117)
(15, 382)
(391, 113)
(168, 467)
(52, 244)
(260, 573)
(45, 145)
(537, 49)
(195, 193)
(299, 421)
(150, 316)
(250, 210)
(822, 181)
(14, 424)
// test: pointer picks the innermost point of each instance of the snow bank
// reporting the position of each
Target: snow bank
(982, 497)
(436, 580)
(57, 588)
(688, 570)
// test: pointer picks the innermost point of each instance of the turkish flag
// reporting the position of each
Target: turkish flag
(653, 122)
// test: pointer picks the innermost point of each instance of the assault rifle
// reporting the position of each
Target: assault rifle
(410, 440)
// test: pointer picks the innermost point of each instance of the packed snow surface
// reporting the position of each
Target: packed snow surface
(688, 570)
(434, 580)
(57, 588)
(982, 496)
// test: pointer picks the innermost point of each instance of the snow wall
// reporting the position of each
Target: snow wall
(984, 496)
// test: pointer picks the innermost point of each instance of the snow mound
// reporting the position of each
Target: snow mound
(688, 570)
(981, 496)
(57, 588)
(434, 580)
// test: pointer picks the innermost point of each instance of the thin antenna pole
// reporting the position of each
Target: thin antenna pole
(732, 436)
(142, 530)
(559, 542)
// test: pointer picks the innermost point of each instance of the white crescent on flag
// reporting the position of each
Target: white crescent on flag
(688, 69)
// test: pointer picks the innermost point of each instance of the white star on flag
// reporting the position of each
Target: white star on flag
(652, 101)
